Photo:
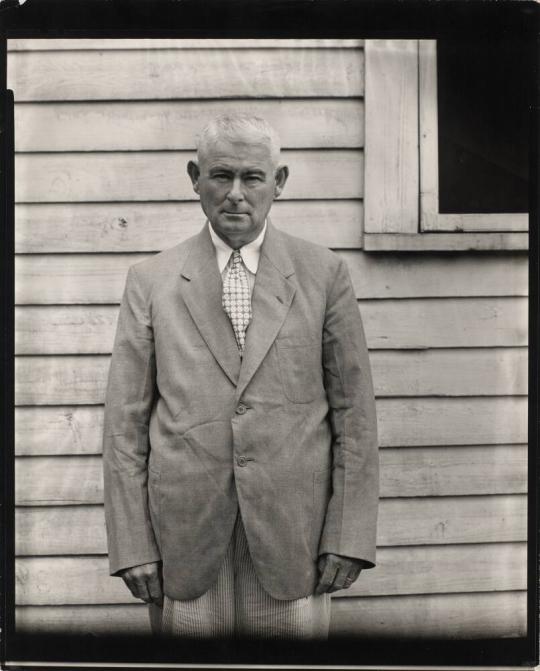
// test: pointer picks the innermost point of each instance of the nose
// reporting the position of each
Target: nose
(235, 194)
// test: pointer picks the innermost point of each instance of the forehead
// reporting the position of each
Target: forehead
(237, 153)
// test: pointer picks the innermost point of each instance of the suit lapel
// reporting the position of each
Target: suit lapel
(272, 297)
(202, 291)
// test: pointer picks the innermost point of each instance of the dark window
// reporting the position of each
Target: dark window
(483, 125)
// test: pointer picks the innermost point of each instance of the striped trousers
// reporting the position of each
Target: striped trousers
(237, 605)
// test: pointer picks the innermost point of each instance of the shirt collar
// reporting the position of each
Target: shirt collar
(250, 253)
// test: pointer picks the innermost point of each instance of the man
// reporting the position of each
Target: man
(240, 450)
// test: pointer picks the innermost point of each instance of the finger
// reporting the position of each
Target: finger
(154, 588)
(345, 577)
(142, 588)
(327, 577)
(130, 584)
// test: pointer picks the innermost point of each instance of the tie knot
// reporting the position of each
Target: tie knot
(237, 256)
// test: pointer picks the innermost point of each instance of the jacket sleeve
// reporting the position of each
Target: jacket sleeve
(128, 403)
(351, 518)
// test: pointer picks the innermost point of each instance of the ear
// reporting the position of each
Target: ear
(194, 172)
(281, 177)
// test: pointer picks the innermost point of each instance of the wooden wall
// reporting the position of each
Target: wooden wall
(103, 133)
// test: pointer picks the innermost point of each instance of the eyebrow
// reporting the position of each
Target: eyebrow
(225, 168)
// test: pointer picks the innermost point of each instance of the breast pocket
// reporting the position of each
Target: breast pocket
(300, 368)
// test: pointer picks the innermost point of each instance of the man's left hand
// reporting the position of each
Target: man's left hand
(337, 572)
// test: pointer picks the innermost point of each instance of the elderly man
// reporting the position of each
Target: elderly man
(240, 449)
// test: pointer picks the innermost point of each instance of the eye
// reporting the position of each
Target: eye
(253, 178)
(220, 176)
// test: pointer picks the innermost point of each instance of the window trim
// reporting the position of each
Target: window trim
(430, 217)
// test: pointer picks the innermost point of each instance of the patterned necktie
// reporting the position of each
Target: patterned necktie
(237, 299)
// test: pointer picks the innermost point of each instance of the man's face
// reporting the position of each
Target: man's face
(237, 183)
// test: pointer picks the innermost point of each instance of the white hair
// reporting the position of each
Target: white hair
(232, 126)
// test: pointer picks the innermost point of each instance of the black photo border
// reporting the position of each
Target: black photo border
(305, 19)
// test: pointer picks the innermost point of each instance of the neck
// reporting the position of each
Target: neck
(237, 241)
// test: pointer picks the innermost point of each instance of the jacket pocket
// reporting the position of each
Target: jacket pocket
(300, 368)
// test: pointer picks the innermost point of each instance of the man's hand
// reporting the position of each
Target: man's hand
(144, 582)
(337, 572)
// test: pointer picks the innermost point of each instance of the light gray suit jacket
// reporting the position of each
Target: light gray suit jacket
(192, 431)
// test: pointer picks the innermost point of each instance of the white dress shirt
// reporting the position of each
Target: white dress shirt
(250, 254)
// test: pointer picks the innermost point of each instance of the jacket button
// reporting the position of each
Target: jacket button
(241, 409)
(241, 461)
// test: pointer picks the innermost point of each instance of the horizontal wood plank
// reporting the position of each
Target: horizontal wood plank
(50, 430)
(162, 176)
(457, 421)
(149, 227)
(441, 616)
(151, 125)
(53, 380)
(389, 324)
(190, 73)
(80, 530)
(29, 44)
(100, 278)
(55, 581)
(451, 242)
(411, 472)
(87, 620)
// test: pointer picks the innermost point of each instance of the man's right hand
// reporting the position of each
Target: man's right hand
(144, 582)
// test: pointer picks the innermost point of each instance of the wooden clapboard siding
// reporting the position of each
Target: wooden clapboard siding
(411, 472)
(136, 227)
(193, 74)
(389, 324)
(100, 278)
(161, 176)
(301, 123)
(41, 430)
(80, 529)
(43, 581)
(444, 616)
(201, 43)
(53, 380)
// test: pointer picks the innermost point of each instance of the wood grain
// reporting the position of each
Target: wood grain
(412, 472)
(450, 242)
(140, 227)
(50, 430)
(80, 529)
(56, 581)
(162, 176)
(100, 278)
(150, 125)
(189, 73)
(392, 172)
(389, 324)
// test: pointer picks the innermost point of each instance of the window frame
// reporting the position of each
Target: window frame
(401, 161)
